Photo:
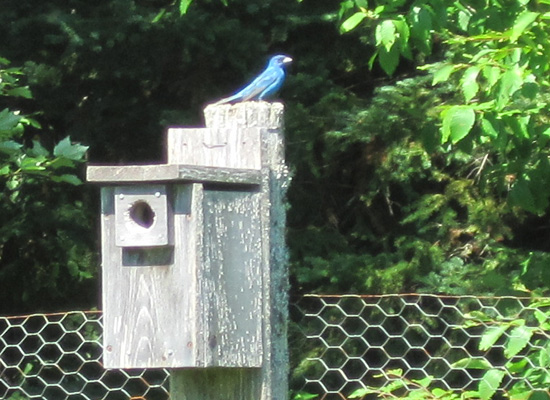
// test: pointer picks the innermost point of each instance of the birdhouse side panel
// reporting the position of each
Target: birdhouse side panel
(231, 278)
(143, 290)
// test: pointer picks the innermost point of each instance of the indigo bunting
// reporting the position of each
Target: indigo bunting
(266, 84)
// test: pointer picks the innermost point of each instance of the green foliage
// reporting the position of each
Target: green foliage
(499, 67)
(304, 396)
(400, 217)
(111, 75)
(40, 250)
(17, 396)
(417, 389)
(526, 350)
(401, 183)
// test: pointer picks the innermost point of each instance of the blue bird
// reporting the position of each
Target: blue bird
(266, 84)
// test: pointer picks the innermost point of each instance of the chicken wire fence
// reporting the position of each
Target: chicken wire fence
(338, 344)
(58, 356)
(345, 343)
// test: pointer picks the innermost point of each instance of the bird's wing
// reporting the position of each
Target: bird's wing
(257, 86)
(268, 91)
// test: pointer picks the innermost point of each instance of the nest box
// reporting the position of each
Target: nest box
(190, 247)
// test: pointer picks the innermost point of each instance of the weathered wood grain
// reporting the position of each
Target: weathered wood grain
(217, 384)
(215, 147)
(270, 381)
(248, 114)
(140, 303)
(231, 278)
(117, 174)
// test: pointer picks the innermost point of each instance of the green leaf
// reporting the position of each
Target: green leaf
(457, 123)
(491, 335)
(61, 162)
(350, 23)
(14, 182)
(488, 128)
(184, 5)
(478, 315)
(68, 150)
(159, 16)
(393, 386)
(510, 82)
(22, 91)
(8, 120)
(518, 366)
(539, 315)
(29, 164)
(67, 178)
(439, 393)
(362, 392)
(542, 302)
(385, 34)
(5, 170)
(523, 21)
(305, 396)
(544, 356)
(519, 125)
(421, 26)
(539, 395)
(38, 150)
(470, 87)
(394, 372)
(442, 74)
(27, 369)
(424, 382)
(491, 74)
(345, 6)
(472, 363)
(490, 383)
(10, 147)
(403, 31)
(388, 59)
(519, 338)
(520, 195)
(464, 19)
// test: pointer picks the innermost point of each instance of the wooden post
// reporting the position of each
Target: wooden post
(194, 258)
(255, 128)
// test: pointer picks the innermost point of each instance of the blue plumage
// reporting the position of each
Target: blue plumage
(265, 85)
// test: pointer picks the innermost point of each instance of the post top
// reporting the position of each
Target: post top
(247, 114)
(228, 150)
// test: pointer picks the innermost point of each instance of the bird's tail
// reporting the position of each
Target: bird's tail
(226, 100)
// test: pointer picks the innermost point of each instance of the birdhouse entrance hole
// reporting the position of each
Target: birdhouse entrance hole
(142, 214)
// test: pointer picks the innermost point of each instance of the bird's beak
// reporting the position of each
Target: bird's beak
(287, 60)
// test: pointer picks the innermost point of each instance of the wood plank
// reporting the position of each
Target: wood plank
(231, 279)
(131, 173)
(247, 114)
(140, 302)
(117, 174)
(217, 384)
(215, 147)
(220, 175)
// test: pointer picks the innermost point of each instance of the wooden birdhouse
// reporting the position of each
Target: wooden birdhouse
(193, 255)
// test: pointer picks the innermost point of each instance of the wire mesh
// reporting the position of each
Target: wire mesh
(343, 343)
(58, 356)
(338, 344)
